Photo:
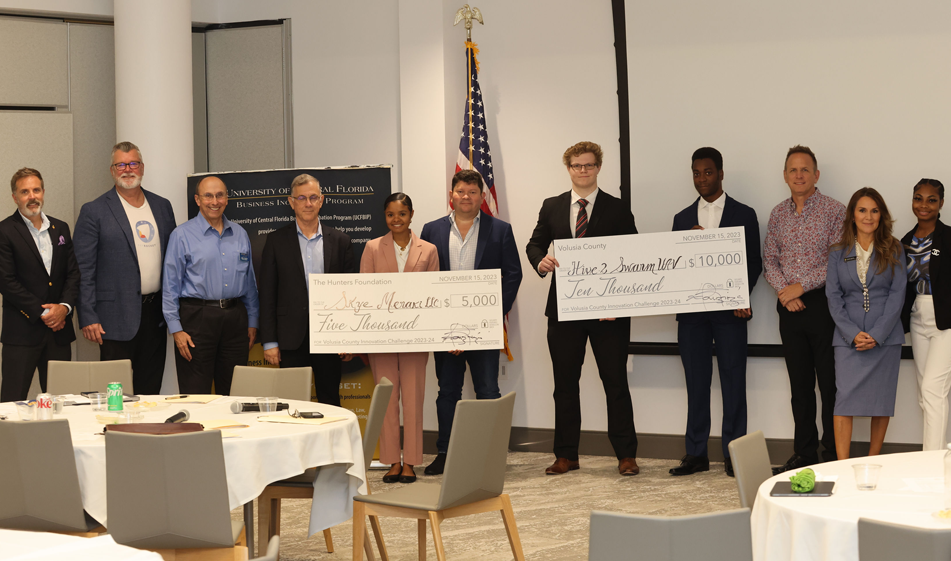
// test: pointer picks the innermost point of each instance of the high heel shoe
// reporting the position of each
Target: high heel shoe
(391, 477)
(408, 478)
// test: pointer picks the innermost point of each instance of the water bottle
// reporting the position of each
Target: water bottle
(947, 478)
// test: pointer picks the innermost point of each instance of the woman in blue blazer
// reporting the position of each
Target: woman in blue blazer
(865, 285)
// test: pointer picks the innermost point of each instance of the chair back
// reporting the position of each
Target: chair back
(378, 404)
(92, 376)
(273, 547)
(880, 541)
(167, 492)
(475, 461)
(39, 485)
(750, 465)
(724, 536)
(285, 383)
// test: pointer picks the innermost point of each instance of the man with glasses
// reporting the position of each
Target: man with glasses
(209, 295)
(120, 240)
(291, 253)
(585, 211)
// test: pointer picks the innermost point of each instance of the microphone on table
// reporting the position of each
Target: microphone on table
(238, 407)
(179, 417)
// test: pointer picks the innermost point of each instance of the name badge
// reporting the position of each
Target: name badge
(847, 259)
(244, 257)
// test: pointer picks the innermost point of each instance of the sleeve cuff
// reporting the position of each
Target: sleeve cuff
(269, 346)
(253, 322)
(174, 326)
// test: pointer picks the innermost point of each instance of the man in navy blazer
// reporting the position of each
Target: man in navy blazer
(469, 239)
(120, 242)
(697, 332)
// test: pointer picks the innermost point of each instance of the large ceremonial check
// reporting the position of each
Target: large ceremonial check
(652, 274)
(406, 312)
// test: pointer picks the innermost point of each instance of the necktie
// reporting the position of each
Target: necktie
(581, 225)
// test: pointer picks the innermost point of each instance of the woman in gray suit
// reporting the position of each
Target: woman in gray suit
(865, 285)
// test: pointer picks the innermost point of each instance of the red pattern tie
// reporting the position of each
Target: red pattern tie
(581, 225)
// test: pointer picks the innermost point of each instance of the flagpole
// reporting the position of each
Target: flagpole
(469, 91)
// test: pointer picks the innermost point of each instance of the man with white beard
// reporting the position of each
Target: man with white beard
(120, 242)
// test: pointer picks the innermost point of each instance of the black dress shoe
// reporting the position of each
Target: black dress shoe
(795, 462)
(728, 466)
(438, 465)
(408, 478)
(691, 464)
(393, 477)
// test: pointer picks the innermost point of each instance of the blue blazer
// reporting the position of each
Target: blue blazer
(886, 294)
(735, 213)
(110, 283)
(496, 250)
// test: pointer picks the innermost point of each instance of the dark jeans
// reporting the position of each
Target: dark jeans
(146, 350)
(451, 373)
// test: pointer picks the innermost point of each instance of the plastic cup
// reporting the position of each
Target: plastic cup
(267, 404)
(58, 403)
(866, 476)
(99, 401)
(27, 411)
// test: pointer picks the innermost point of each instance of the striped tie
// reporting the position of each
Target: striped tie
(581, 225)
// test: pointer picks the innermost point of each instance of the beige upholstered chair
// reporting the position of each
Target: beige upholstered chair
(750, 465)
(286, 383)
(725, 536)
(881, 541)
(76, 377)
(472, 482)
(39, 485)
(169, 494)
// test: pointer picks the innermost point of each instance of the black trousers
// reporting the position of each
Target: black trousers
(327, 371)
(146, 350)
(609, 341)
(19, 362)
(807, 347)
(221, 343)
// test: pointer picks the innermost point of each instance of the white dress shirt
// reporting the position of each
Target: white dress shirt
(44, 245)
(462, 251)
(575, 207)
(709, 214)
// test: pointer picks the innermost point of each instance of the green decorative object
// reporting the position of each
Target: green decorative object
(804, 481)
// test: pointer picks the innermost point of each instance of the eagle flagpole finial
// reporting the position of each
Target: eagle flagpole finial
(468, 14)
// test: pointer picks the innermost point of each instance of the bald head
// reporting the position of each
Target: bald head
(211, 196)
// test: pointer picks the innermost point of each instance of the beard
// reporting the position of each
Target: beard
(30, 212)
(129, 182)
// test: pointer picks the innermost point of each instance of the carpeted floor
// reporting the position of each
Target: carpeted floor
(552, 512)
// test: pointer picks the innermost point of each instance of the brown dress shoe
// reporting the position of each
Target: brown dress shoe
(628, 466)
(562, 465)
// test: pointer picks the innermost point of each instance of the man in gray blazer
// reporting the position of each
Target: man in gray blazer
(120, 241)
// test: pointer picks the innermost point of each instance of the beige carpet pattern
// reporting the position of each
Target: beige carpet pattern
(552, 512)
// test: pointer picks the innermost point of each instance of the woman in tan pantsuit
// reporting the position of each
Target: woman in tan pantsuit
(397, 252)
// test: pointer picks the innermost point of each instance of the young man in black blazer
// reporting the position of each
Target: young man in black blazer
(291, 254)
(39, 281)
(585, 211)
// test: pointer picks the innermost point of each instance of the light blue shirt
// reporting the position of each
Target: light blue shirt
(200, 263)
(44, 245)
(312, 255)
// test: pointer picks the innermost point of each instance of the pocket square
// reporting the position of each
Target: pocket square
(62, 241)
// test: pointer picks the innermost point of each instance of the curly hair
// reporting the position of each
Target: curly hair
(583, 147)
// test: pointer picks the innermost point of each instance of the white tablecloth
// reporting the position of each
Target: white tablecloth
(826, 528)
(261, 454)
(17, 545)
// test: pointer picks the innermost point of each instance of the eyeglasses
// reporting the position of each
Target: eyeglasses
(212, 196)
(122, 166)
(586, 167)
(314, 199)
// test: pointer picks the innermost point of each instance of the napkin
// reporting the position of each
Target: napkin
(295, 421)
(223, 424)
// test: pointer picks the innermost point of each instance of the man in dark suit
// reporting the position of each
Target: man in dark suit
(697, 332)
(39, 281)
(120, 246)
(290, 254)
(469, 239)
(585, 211)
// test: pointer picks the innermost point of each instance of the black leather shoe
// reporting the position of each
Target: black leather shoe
(393, 477)
(408, 478)
(728, 466)
(438, 465)
(795, 462)
(691, 464)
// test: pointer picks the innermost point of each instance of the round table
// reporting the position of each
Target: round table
(909, 490)
(254, 457)
(17, 545)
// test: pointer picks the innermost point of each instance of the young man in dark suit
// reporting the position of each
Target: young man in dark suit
(585, 211)
(290, 254)
(697, 332)
(39, 281)
(469, 239)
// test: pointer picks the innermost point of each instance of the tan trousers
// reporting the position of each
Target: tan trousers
(407, 371)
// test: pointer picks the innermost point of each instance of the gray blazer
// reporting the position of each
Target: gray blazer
(886, 294)
(110, 285)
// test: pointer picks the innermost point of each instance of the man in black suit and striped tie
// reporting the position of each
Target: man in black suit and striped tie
(584, 212)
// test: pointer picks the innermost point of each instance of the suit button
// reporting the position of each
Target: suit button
(51, 284)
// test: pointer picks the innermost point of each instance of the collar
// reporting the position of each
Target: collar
(205, 226)
(590, 198)
(317, 236)
(43, 227)
(719, 203)
(476, 220)
(809, 202)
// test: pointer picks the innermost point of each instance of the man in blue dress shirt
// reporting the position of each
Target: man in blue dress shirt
(209, 295)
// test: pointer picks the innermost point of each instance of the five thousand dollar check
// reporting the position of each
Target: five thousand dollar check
(399, 312)
(652, 274)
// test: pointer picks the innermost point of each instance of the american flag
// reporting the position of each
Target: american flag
(474, 152)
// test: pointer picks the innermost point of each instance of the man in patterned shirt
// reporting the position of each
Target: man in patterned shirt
(800, 231)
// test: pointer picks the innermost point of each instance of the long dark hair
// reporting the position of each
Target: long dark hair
(887, 248)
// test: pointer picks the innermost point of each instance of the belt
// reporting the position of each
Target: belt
(223, 303)
(148, 298)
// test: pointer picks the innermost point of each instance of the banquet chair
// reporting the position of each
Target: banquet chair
(273, 547)
(169, 494)
(302, 486)
(285, 383)
(39, 484)
(880, 541)
(724, 536)
(67, 376)
(472, 481)
(750, 465)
